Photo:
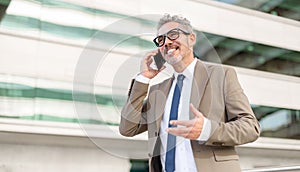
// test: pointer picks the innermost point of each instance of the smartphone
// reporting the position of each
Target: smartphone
(159, 60)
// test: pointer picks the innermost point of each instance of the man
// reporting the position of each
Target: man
(195, 118)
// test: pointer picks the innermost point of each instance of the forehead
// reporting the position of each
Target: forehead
(167, 27)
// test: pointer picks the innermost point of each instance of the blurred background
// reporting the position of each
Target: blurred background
(46, 44)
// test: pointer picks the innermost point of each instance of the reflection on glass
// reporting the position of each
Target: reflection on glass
(225, 50)
(3, 6)
(278, 122)
(284, 8)
(26, 102)
(247, 54)
(29, 102)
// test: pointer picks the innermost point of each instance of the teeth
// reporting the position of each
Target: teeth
(171, 51)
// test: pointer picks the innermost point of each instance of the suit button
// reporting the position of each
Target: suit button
(156, 134)
(149, 154)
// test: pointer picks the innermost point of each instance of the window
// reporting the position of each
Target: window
(3, 6)
(247, 54)
(284, 8)
(278, 122)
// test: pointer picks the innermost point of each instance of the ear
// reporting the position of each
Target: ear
(192, 39)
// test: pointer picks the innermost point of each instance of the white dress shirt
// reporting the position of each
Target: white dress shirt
(184, 159)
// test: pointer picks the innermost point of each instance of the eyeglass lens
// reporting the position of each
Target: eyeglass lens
(172, 35)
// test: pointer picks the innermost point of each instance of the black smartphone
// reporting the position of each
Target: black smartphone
(159, 60)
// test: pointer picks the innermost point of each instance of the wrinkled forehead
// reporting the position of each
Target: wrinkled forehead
(169, 26)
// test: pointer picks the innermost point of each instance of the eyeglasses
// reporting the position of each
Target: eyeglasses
(172, 35)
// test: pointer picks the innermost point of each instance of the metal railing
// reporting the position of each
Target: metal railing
(275, 169)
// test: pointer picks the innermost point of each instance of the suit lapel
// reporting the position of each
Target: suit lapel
(200, 80)
(160, 100)
(199, 84)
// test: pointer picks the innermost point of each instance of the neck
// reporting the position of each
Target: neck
(184, 63)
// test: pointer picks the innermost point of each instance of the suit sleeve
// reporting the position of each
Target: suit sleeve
(241, 125)
(133, 114)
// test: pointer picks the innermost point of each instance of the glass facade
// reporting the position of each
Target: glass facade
(230, 51)
(247, 54)
(275, 122)
(283, 8)
(139, 166)
(278, 122)
(80, 23)
(21, 101)
(3, 6)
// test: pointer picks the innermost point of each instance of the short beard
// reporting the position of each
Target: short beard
(173, 59)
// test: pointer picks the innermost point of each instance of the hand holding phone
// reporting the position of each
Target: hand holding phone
(159, 60)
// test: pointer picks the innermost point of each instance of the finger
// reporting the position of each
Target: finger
(149, 55)
(186, 123)
(154, 71)
(183, 132)
(149, 61)
(195, 111)
(186, 132)
(152, 53)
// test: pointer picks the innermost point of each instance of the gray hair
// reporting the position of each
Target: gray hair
(178, 19)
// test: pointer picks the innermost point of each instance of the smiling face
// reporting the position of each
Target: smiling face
(180, 49)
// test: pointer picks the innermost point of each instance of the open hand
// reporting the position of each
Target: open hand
(192, 128)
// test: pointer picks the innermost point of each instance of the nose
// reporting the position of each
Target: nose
(168, 41)
(167, 44)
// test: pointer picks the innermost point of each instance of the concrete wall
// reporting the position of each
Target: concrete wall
(33, 146)
(50, 158)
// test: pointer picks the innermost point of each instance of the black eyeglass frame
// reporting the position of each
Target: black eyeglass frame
(166, 35)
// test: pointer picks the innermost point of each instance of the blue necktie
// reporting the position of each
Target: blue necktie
(171, 143)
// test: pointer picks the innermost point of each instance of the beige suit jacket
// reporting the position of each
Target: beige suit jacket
(216, 93)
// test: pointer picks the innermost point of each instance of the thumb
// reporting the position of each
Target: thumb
(195, 111)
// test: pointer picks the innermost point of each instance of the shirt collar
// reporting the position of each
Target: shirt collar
(188, 71)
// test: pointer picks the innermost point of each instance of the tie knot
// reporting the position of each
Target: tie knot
(180, 77)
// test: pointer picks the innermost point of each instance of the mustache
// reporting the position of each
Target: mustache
(168, 47)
